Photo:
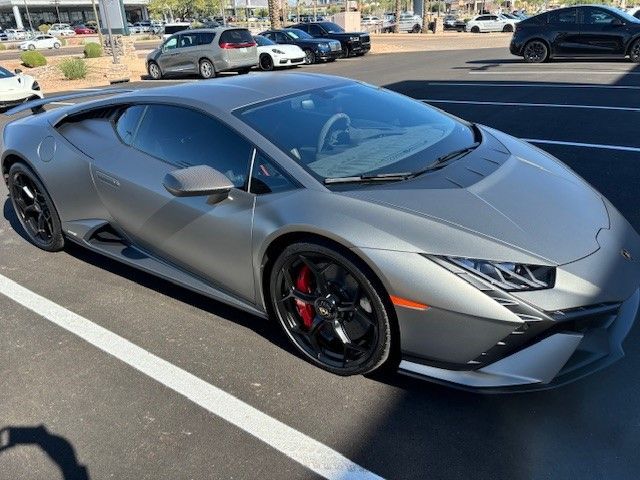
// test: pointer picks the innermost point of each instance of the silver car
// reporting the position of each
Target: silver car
(375, 229)
(205, 52)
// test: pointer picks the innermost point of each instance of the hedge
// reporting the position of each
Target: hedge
(92, 50)
(73, 68)
(33, 59)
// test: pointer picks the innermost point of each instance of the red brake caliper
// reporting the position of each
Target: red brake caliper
(303, 284)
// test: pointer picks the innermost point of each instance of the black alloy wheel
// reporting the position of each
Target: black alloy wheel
(535, 52)
(309, 57)
(507, 28)
(34, 209)
(266, 62)
(330, 310)
(634, 53)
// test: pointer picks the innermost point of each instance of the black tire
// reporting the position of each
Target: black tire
(153, 69)
(206, 69)
(266, 62)
(32, 46)
(35, 209)
(348, 328)
(536, 51)
(346, 52)
(416, 28)
(309, 57)
(475, 29)
(507, 28)
(634, 52)
(56, 45)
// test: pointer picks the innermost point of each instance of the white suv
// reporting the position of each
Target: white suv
(491, 23)
(61, 30)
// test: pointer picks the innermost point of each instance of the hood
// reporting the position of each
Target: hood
(517, 196)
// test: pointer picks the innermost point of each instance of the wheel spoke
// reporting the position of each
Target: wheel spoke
(318, 275)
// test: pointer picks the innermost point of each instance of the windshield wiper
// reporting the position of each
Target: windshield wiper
(380, 177)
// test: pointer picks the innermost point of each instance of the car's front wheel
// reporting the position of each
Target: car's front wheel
(32, 47)
(475, 29)
(34, 208)
(56, 45)
(634, 53)
(535, 52)
(507, 28)
(330, 309)
(266, 62)
(154, 71)
(309, 57)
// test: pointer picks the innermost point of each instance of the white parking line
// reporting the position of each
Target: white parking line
(524, 104)
(299, 447)
(531, 85)
(585, 145)
(550, 72)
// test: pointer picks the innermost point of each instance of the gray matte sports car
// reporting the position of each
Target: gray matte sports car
(379, 231)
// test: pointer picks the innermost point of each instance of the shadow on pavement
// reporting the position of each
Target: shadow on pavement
(58, 448)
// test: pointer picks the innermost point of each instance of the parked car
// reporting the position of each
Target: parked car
(41, 42)
(16, 88)
(451, 22)
(352, 43)
(133, 30)
(371, 21)
(583, 31)
(206, 52)
(273, 55)
(3, 36)
(83, 30)
(315, 49)
(375, 230)
(16, 34)
(171, 28)
(410, 23)
(61, 30)
(144, 26)
(491, 23)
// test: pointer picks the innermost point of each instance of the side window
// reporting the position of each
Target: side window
(596, 16)
(493, 17)
(304, 28)
(128, 122)
(171, 44)
(315, 30)
(267, 178)
(205, 38)
(187, 40)
(185, 137)
(482, 18)
(566, 16)
(281, 38)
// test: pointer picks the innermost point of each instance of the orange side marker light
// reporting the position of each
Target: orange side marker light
(403, 302)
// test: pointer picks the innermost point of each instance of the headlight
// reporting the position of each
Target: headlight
(512, 277)
(279, 52)
(323, 46)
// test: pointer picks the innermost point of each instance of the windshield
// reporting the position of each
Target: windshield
(356, 129)
(297, 34)
(263, 41)
(332, 27)
(625, 16)
(4, 73)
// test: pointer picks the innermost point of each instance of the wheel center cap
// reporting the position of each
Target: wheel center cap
(327, 307)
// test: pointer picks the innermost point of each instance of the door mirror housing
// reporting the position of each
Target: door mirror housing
(201, 180)
(17, 71)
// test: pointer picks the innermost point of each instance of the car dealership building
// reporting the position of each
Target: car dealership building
(16, 13)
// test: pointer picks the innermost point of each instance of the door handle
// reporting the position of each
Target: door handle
(108, 179)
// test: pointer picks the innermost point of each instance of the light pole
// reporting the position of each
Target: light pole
(26, 7)
(111, 42)
(95, 14)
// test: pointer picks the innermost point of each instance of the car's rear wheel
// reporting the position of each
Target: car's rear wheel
(475, 29)
(34, 208)
(634, 53)
(535, 52)
(507, 28)
(154, 71)
(416, 28)
(266, 62)
(32, 47)
(330, 309)
(309, 57)
(206, 69)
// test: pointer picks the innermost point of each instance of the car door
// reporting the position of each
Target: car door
(208, 237)
(187, 58)
(602, 32)
(564, 31)
(494, 23)
(168, 59)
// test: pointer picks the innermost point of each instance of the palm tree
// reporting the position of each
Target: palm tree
(274, 13)
(426, 4)
(396, 27)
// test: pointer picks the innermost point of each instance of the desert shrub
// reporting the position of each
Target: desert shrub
(44, 28)
(92, 50)
(73, 68)
(33, 59)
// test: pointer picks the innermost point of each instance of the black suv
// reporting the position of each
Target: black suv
(353, 43)
(583, 31)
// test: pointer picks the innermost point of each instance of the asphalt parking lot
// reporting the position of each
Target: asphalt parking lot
(71, 410)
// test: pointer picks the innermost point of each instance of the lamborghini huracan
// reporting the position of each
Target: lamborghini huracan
(378, 231)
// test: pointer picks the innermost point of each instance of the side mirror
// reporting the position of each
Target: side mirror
(201, 180)
(17, 71)
(616, 22)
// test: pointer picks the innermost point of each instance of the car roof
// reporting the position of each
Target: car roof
(234, 92)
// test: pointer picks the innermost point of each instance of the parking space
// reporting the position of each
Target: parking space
(75, 405)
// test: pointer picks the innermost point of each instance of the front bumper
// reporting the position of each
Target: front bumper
(586, 341)
(328, 55)
(19, 99)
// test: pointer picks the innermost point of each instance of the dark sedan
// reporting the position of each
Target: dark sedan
(315, 49)
(353, 43)
(584, 31)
